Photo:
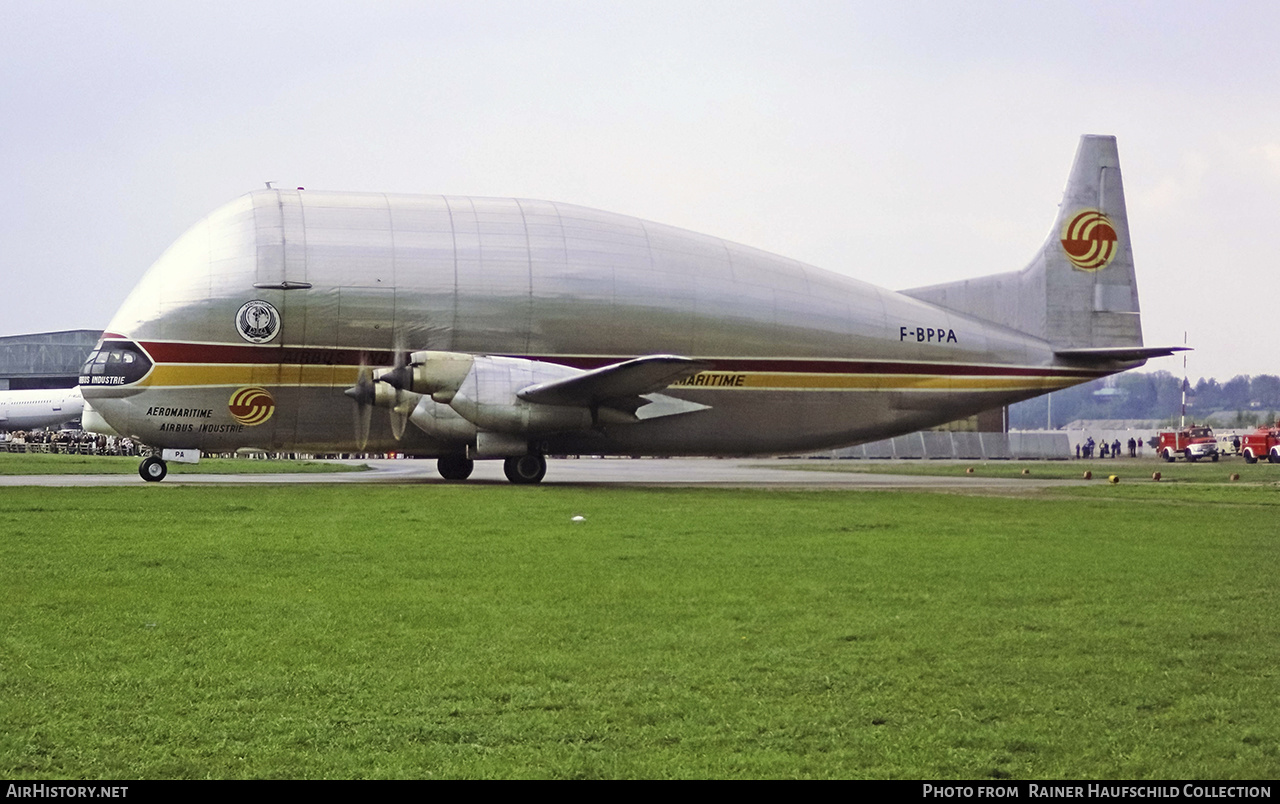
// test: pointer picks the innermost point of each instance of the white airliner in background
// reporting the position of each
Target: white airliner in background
(43, 407)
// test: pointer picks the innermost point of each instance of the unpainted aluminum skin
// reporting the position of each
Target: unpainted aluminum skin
(802, 358)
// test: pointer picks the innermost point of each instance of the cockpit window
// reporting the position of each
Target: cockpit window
(114, 363)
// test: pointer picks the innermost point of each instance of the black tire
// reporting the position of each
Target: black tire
(525, 469)
(455, 467)
(1168, 456)
(153, 469)
(1273, 457)
(1248, 457)
(1190, 458)
(1214, 458)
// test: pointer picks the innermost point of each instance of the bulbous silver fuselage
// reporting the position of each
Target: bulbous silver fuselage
(258, 318)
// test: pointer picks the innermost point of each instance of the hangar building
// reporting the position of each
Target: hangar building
(44, 359)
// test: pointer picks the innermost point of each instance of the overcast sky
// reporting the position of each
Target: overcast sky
(901, 143)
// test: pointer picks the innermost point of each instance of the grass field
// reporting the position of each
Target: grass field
(41, 464)
(455, 631)
(1134, 470)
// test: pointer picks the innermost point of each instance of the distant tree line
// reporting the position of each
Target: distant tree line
(1242, 401)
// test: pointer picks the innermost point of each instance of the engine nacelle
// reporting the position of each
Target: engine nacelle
(472, 394)
(384, 396)
(441, 422)
(437, 374)
(487, 397)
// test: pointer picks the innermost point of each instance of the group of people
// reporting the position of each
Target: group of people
(79, 442)
(72, 442)
(1106, 450)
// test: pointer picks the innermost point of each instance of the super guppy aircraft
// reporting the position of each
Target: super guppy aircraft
(484, 328)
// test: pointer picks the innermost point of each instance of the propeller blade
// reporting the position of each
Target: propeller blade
(362, 393)
(398, 377)
(364, 418)
(398, 422)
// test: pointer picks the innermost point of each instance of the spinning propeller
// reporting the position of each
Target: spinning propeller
(364, 392)
(372, 391)
(401, 403)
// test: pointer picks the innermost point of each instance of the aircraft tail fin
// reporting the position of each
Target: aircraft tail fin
(1079, 292)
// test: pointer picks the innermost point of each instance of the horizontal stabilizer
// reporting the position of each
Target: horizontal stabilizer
(619, 381)
(1119, 354)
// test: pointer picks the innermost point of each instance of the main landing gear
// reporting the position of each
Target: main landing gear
(153, 469)
(525, 469)
(455, 467)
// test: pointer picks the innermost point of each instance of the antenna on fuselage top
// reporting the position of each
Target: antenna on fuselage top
(269, 187)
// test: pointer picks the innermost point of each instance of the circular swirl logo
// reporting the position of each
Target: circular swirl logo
(1089, 240)
(251, 406)
(257, 321)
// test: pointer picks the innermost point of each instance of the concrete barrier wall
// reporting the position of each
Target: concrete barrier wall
(1042, 446)
(1047, 445)
(996, 446)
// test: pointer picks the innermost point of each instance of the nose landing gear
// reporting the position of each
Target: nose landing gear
(153, 469)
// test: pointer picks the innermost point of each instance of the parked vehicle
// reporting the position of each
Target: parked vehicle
(1228, 445)
(1193, 443)
(1265, 441)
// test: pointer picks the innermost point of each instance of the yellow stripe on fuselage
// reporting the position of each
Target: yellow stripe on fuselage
(198, 374)
(191, 374)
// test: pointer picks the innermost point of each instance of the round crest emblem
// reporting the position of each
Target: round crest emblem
(251, 406)
(1089, 240)
(258, 321)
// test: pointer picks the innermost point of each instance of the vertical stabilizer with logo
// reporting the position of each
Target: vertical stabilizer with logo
(1079, 292)
(1091, 296)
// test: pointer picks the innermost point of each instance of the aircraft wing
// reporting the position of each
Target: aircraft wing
(631, 378)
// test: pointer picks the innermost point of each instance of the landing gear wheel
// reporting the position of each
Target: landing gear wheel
(525, 469)
(153, 469)
(455, 467)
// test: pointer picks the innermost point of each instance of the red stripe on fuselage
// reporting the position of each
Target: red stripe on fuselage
(171, 352)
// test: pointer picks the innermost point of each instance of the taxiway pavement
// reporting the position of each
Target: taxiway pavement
(667, 472)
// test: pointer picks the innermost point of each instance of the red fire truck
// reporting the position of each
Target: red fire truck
(1265, 441)
(1193, 443)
